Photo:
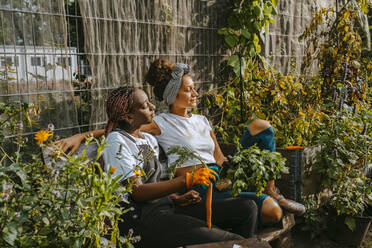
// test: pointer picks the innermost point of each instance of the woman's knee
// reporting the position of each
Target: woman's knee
(271, 211)
(258, 126)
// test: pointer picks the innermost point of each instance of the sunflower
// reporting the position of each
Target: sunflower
(41, 136)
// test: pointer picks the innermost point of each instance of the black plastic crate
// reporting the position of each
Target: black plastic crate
(290, 185)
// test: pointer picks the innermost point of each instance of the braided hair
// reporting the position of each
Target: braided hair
(119, 104)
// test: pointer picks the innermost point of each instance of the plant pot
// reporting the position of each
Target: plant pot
(290, 185)
(339, 232)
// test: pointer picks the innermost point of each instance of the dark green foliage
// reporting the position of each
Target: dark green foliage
(253, 168)
(74, 205)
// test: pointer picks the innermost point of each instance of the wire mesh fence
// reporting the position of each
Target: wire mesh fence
(65, 55)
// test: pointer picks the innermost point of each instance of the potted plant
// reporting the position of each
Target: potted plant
(253, 168)
(343, 190)
(341, 165)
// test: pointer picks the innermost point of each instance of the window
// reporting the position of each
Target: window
(6, 61)
(36, 61)
(63, 61)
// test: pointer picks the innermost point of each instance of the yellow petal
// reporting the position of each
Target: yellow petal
(138, 173)
(41, 136)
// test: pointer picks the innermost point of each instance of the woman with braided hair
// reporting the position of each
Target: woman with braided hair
(162, 218)
(173, 84)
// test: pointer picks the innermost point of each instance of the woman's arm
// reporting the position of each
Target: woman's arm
(190, 197)
(72, 143)
(144, 192)
(218, 155)
(149, 191)
(151, 128)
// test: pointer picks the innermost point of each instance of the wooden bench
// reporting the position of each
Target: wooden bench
(253, 242)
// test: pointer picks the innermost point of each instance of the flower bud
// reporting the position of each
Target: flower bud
(51, 127)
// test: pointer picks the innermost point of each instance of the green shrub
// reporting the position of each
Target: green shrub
(253, 168)
(74, 205)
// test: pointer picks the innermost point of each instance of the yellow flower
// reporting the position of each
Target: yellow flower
(219, 98)
(304, 92)
(284, 111)
(267, 89)
(302, 113)
(42, 136)
(138, 173)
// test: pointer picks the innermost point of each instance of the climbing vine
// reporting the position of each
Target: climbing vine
(295, 104)
(334, 43)
(246, 24)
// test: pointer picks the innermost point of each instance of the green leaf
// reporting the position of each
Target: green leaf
(256, 42)
(10, 234)
(268, 10)
(22, 175)
(274, 12)
(257, 11)
(275, 2)
(233, 61)
(364, 8)
(350, 222)
(246, 34)
(46, 221)
(222, 31)
(231, 40)
(129, 245)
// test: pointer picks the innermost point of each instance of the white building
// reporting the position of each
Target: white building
(31, 63)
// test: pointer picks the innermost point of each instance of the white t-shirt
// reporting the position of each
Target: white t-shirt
(122, 154)
(192, 132)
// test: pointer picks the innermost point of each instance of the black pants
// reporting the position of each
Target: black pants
(179, 226)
